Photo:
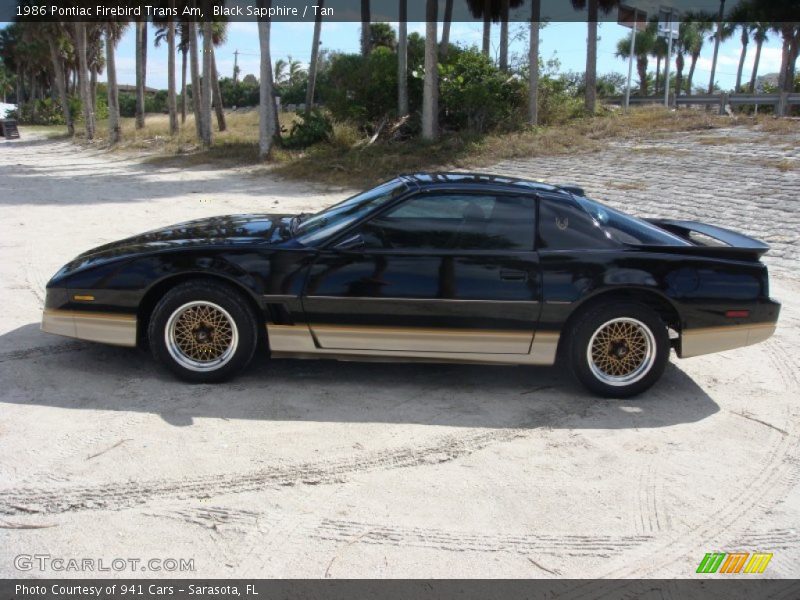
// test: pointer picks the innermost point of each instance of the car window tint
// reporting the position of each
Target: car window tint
(455, 222)
(563, 225)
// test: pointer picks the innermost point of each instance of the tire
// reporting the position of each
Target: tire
(618, 351)
(203, 331)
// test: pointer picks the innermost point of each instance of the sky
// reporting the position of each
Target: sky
(565, 41)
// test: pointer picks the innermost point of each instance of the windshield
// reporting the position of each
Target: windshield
(627, 229)
(335, 218)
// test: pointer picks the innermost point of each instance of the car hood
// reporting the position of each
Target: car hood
(226, 230)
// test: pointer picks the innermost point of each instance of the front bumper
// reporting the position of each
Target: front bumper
(106, 328)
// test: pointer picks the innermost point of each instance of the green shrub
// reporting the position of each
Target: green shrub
(309, 130)
(477, 96)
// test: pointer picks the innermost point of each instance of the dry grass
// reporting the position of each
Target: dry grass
(770, 124)
(348, 161)
(365, 166)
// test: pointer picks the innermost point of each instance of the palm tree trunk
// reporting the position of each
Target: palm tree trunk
(690, 76)
(641, 67)
(444, 43)
(83, 82)
(754, 74)
(141, 49)
(487, 27)
(430, 92)
(217, 93)
(658, 74)
(533, 62)
(184, 51)
(61, 85)
(784, 60)
(742, 55)
(679, 64)
(365, 23)
(171, 100)
(402, 61)
(717, 41)
(312, 67)
(197, 93)
(208, 74)
(114, 129)
(93, 89)
(591, 59)
(504, 35)
(266, 106)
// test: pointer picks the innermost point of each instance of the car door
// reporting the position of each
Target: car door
(437, 272)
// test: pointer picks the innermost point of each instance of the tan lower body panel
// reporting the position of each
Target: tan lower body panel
(297, 341)
(695, 342)
(106, 328)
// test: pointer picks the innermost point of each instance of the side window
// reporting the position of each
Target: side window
(563, 225)
(455, 222)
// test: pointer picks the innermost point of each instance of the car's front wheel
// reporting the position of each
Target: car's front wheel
(203, 331)
(619, 351)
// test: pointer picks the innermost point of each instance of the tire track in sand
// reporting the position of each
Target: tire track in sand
(119, 495)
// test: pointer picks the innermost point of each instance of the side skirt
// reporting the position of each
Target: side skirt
(297, 341)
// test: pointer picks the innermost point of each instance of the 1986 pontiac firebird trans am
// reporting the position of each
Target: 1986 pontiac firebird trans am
(448, 267)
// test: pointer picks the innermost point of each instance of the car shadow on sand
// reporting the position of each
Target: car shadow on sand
(41, 370)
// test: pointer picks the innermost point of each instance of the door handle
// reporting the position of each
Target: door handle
(513, 275)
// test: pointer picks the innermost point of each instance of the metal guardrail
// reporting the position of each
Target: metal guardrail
(781, 102)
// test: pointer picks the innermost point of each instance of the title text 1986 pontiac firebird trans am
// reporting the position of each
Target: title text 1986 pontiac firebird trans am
(449, 267)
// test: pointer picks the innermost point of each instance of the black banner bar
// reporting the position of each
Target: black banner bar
(740, 587)
(381, 10)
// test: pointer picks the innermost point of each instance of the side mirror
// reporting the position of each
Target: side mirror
(353, 242)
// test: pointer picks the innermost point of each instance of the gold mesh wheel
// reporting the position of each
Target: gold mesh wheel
(201, 336)
(621, 351)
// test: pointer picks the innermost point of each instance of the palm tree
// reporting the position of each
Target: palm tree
(533, 62)
(717, 41)
(444, 43)
(219, 35)
(280, 71)
(402, 60)
(594, 8)
(312, 67)
(760, 35)
(172, 107)
(114, 31)
(643, 47)
(141, 70)
(208, 75)
(702, 24)
(83, 82)
(197, 93)
(658, 50)
(741, 19)
(296, 71)
(688, 34)
(430, 93)
(266, 107)
(365, 22)
(57, 41)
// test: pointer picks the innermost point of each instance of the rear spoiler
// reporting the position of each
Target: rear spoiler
(710, 240)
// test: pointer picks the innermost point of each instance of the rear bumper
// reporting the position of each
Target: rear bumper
(695, 342)
(106, 328)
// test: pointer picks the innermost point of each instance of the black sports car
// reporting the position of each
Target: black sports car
(437, 267)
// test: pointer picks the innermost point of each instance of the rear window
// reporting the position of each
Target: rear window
(627, 229)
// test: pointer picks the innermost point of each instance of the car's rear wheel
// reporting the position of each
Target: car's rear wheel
(203, 331)
(619, 351)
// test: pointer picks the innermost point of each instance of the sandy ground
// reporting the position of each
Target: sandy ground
(325, 469)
